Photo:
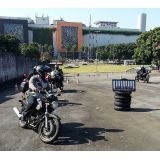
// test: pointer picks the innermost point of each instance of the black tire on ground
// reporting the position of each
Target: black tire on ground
(122, 97)
(123, 100)
(147, 80)
(136, 79)
(122, 108)
(50, 136)
(123, 93)
(122, 104)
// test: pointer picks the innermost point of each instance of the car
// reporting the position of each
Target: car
(149, 68)
(77, 60)
(84, 64)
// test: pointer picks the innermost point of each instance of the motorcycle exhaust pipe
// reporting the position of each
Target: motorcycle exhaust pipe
(17, 112)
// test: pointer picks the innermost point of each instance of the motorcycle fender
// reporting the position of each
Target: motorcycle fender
(54, 116)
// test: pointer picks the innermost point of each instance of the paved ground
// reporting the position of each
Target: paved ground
(89, 121)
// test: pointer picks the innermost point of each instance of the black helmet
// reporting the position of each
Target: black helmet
(56, 66)
(40, 69)
(34, 69)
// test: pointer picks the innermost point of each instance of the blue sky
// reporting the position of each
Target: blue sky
(124, 12)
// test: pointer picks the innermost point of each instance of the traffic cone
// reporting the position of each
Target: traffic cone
(16, 88)
(121, 77)
(78, 81)
(89, 75)
(67, 80)
(107, 76)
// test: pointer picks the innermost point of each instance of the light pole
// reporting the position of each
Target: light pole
(97, 48)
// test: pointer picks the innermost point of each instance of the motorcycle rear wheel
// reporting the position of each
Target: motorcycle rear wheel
(51, 135)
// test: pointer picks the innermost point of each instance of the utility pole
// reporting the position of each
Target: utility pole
(97, 48)
(113, 55)
(89, 39)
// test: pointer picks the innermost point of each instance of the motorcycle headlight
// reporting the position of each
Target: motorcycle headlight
(54, 105)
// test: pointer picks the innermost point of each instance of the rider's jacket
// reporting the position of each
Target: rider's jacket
(55, 73)
(142, 70)
(37, 82)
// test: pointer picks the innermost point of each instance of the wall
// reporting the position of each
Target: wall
(12, 67)
(105, 39)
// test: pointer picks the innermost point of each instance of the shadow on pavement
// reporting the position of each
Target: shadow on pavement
(73, 91)
(154, 82)
(72, 134)
(142, 110)
(63, 103)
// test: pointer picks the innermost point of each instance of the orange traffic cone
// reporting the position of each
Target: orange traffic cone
(121, 77)
(16, 88)
(89, 75)
(78, 81)
(107, 76)
(67, 80)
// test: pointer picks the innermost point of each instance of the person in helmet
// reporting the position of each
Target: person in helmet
(27, 78)
(57, 76)
(141, 71)
(37, 82)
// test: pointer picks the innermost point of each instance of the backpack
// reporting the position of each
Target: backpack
(24, 87)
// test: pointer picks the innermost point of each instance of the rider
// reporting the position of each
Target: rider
(57, 75)
(30, 75)
(141, 71)
(36, 83)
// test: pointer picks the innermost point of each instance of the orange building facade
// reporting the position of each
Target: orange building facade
(69, 33)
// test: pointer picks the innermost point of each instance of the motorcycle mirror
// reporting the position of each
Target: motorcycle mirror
(59, 94)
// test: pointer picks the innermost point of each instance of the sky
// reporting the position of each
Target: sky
(124, 12)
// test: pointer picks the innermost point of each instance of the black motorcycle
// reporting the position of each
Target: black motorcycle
(57, 82)
(145, 77)
(42, 117)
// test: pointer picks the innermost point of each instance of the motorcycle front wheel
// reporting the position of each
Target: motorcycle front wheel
(52, 133)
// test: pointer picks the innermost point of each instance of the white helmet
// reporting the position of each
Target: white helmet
(142, 66)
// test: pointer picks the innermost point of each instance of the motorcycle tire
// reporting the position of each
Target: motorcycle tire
(54, 132)
(23, 124)
(54, 88)
(122, 108)
(137, 80)
(122, 94)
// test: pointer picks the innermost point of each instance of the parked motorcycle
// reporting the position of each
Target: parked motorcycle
(42, 117)
(145, 77)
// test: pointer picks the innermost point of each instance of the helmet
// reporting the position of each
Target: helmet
(142, 66)
(34, 69)
(56, 66)
(40, 69)
(51, 98)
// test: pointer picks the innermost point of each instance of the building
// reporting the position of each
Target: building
(71, 33)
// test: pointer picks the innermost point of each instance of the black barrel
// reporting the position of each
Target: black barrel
(122, 100)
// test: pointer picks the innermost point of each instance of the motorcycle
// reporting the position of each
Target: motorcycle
(145, 77)
(56, 81)
(42, 117)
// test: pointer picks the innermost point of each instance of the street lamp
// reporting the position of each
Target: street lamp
(97, 48)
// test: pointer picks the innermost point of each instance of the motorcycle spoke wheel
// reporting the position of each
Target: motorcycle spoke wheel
(53, 132)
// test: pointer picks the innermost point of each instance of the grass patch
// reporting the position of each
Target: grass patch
(100, 69)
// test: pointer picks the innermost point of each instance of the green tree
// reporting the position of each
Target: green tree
(86, 49)
(93, 50)
(67, 49)
(74, 49)
(31, 22)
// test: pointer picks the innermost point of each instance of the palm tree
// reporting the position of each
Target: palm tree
(74, 48)
(93, 49)
(67, 48)
(86, 49)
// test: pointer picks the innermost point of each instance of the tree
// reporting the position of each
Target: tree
(74, 49)
(31, 22)
(67, 48)
(86, 49)
(93, 50)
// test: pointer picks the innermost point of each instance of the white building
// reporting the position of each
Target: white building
(42, 20)
(106, 24)
(141, 25)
